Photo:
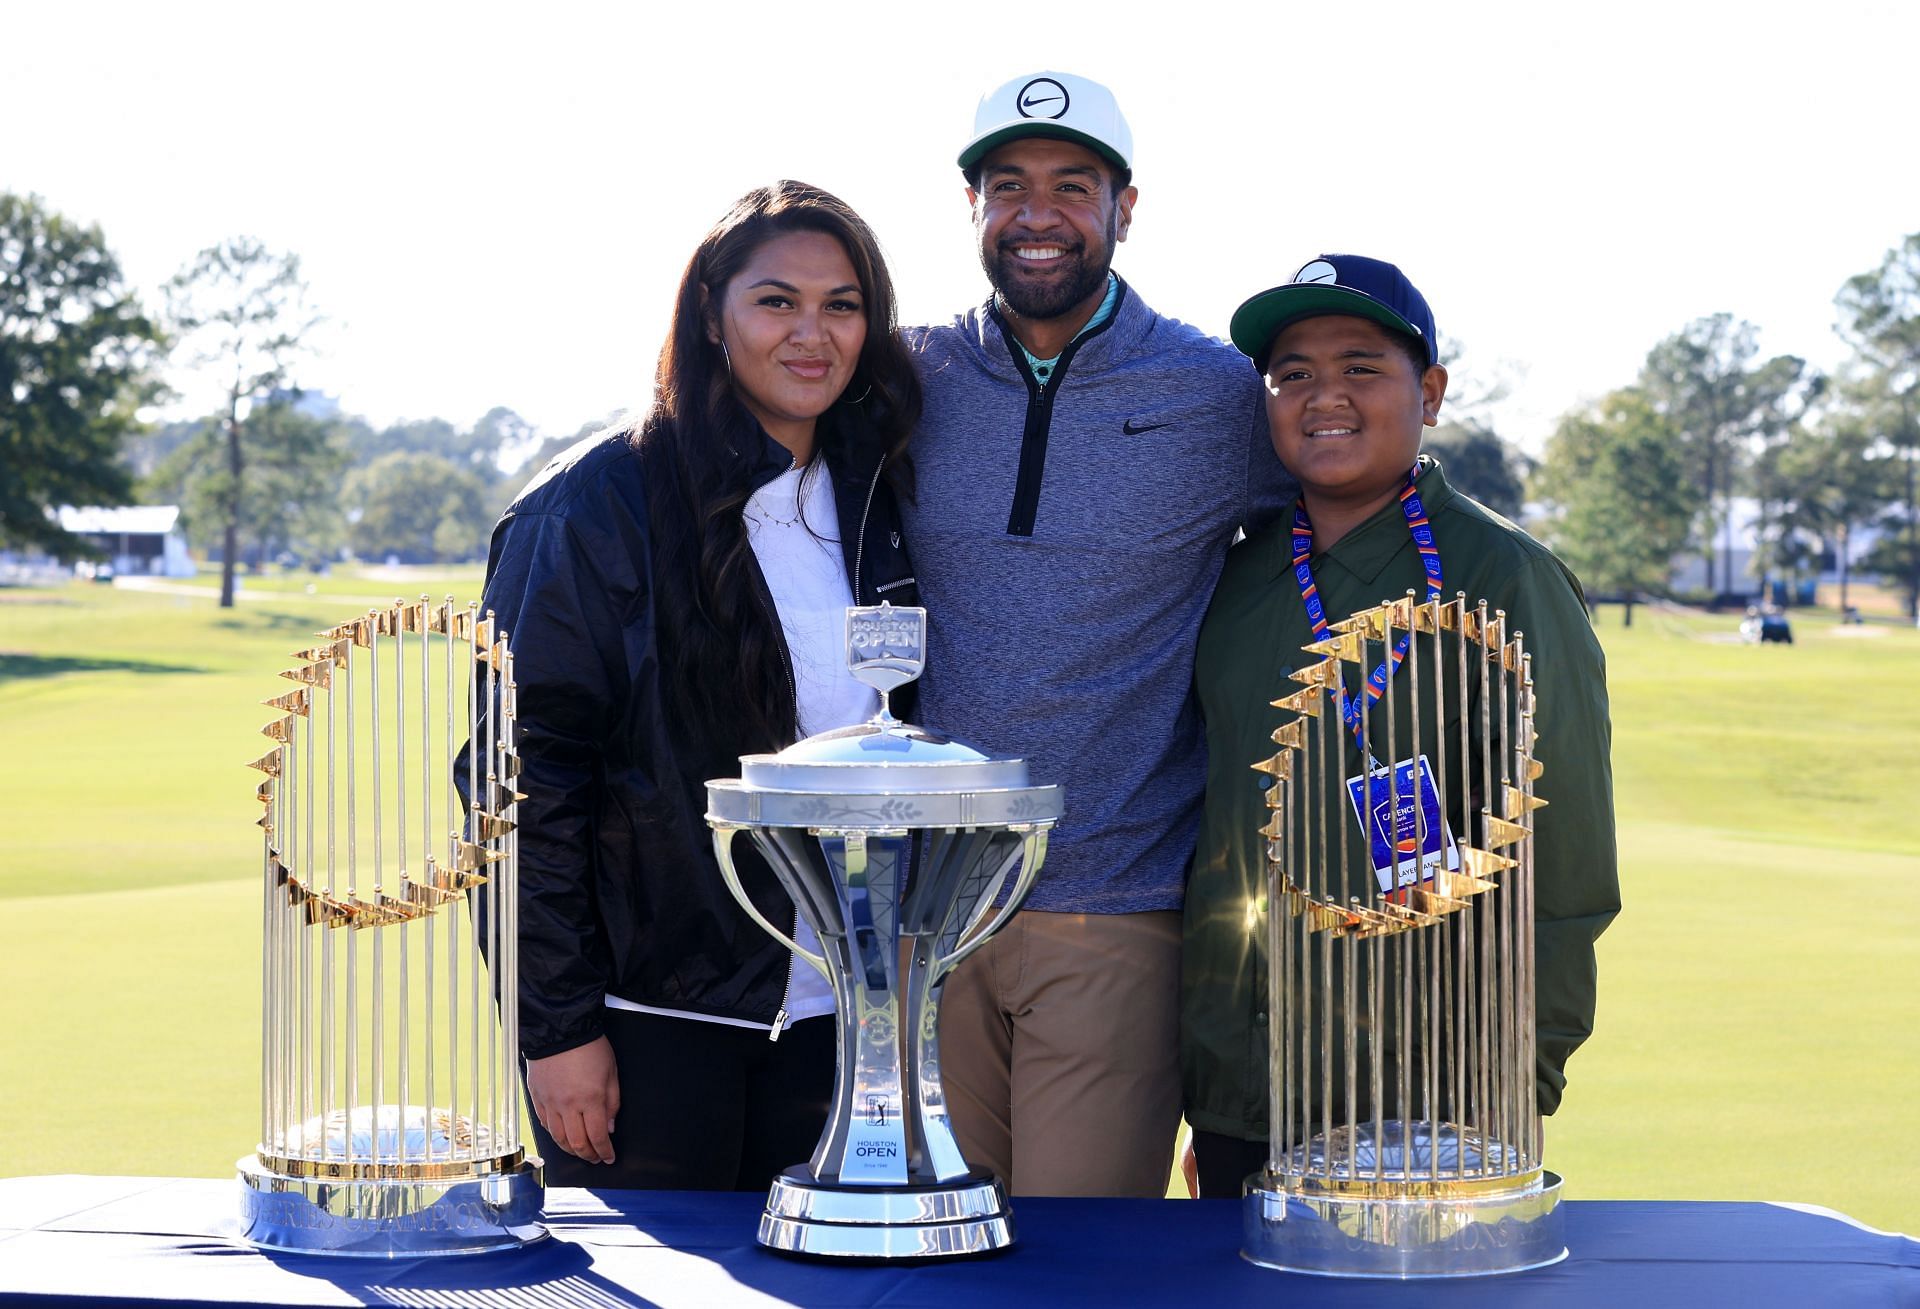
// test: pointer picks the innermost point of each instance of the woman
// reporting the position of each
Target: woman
(675, 595)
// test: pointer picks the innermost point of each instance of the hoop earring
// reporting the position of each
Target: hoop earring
(726, 358)
(859, 398)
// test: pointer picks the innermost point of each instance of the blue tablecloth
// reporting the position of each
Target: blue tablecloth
(102, 1240)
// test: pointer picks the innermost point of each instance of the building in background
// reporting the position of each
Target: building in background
(1737, 538)
(136, 539)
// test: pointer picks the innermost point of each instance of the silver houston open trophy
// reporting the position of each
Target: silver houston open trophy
(389, 1102)
(894, 844)
(1404, 1129)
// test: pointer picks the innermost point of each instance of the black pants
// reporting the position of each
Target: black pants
(705, 1106)
(1225, 1162)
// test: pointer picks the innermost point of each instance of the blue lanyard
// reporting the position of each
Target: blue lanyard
(1422, 533)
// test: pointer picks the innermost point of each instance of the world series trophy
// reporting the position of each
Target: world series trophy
(894, 844)
(390, 1119)
(1405, 1135)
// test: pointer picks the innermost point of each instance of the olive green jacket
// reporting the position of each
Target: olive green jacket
(1250, 641)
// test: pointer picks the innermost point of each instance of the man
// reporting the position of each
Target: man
(1348, 351)
(1081, 469)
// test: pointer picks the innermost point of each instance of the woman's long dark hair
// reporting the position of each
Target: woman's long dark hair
(728, 691)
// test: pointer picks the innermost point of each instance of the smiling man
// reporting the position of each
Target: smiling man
(1081, 467)
(1350, 359)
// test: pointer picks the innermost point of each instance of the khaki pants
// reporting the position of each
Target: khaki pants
(1059, 1051)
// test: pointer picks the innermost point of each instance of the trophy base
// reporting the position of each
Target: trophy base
(940, 1220)
(391, 1218)
(1472, 1234)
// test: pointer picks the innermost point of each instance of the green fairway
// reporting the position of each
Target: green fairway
(1759, 1025)
(1760, 993)
(366, 585)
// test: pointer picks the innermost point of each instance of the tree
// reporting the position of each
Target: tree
(545, 452)
(1836, 486)
(147, 450)
(1479, 463)
(1620, 506)
(289, 502)
(503, 437)
(1880, 317)
(1702, 379)
(1890, 413)
(75, 350)
(1477, 460)
(428, 436)
(241, 309)
(500, 437)
(419, 507)
(1776, 481)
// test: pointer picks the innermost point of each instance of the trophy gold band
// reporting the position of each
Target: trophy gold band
(1404, 1131)
(390, 1111)
(895, 845)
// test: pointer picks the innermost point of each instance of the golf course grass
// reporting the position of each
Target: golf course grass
(1759, 1026)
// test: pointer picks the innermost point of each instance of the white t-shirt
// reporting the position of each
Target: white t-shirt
(798, 549)
(794, 530)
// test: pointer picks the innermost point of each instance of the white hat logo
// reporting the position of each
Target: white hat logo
(1319, 271)
(1042, 98)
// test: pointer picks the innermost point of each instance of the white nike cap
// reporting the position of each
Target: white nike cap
(1057, 105)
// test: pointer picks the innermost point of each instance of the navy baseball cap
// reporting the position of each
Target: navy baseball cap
(1336, 284)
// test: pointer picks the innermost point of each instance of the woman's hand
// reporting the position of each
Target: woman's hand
(576, 1095)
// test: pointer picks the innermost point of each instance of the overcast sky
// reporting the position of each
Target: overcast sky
(492, 203)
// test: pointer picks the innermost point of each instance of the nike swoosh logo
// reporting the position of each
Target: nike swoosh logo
(1131, 430)
(1028, 104)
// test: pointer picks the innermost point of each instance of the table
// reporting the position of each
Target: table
(124, 1240)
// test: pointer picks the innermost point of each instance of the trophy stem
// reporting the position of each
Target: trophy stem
(936, 1152)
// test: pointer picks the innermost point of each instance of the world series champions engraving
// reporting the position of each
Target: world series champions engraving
(1404, 1130)
(390, 1111)
(894, 844)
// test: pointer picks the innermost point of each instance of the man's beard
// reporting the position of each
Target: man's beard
(1055, 297)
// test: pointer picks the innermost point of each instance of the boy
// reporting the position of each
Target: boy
(1348, 352)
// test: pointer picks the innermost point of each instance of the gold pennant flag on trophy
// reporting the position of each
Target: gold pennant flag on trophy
(469, 857)
(1319, 675)
(1293, 735)
(1306, 701)
(318, 673)
(295, 701)
(1502, 833)
(487, 827)
(1350, 646)
(1279, 765)
(1519, 802)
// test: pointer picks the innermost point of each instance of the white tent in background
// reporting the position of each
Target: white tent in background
(137, 539)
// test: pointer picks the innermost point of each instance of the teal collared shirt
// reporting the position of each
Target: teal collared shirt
(1250, 642)
(1043, 368)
